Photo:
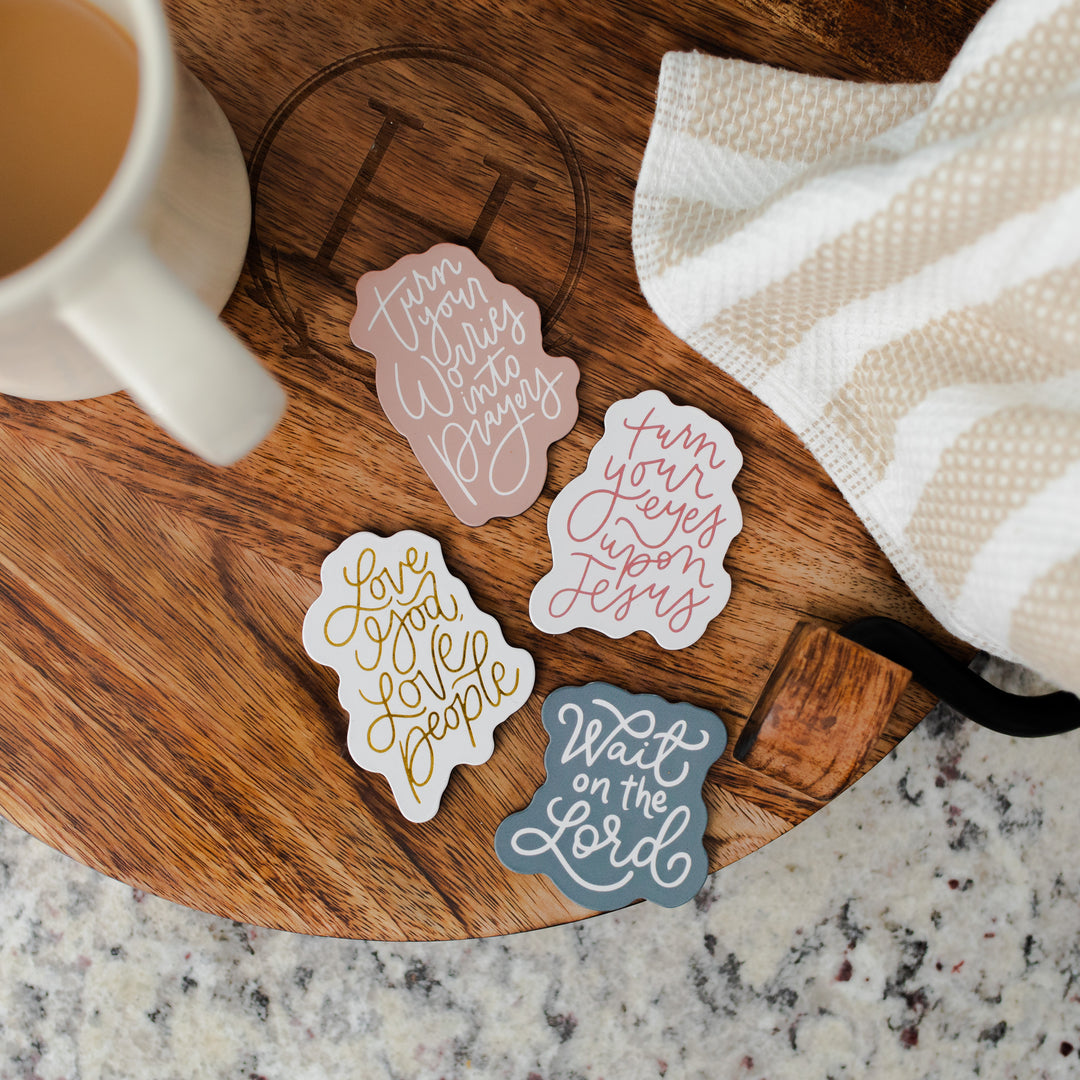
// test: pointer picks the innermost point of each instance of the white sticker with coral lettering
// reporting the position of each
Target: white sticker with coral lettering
(425, 675)
(638, 539)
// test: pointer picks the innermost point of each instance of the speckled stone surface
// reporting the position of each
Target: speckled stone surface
(925, 925)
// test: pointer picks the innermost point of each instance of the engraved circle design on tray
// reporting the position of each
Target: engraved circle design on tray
(464, 143)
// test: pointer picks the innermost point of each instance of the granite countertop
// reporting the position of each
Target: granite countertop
(926, 924)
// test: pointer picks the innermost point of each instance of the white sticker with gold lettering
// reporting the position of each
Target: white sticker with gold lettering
(425, 675)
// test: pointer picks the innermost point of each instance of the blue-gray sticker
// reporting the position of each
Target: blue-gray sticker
(620, 815)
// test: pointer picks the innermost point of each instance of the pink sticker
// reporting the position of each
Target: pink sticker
(461, 372)
(638, 540)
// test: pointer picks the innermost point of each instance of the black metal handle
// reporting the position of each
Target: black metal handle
(950, 680)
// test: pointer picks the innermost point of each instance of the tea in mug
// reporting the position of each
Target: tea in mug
(68, 88)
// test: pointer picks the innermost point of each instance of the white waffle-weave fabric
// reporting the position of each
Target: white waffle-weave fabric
(895, 271)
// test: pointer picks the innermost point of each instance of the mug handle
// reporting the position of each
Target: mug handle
(175, 358)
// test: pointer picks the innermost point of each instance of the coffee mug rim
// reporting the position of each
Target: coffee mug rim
(116, 211)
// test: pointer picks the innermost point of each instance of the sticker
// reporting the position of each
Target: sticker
(425, 675)
(461, 372)
(620, 815)
(638, 539)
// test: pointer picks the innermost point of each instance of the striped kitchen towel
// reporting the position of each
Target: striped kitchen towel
(895, 271)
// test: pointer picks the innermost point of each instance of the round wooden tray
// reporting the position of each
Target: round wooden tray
(161, 721)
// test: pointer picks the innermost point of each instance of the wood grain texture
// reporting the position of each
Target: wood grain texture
(160, 720)
(823, 708)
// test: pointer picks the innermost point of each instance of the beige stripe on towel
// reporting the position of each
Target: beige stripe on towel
(896, 272)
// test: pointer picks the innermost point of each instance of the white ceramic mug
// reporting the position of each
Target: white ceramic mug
(129, 298)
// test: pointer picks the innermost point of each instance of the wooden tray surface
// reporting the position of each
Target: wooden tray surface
(161, 721)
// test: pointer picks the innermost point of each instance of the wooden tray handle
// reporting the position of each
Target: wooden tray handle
(831, 694)
(820, 712)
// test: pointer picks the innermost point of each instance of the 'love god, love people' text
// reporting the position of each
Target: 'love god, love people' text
(431, 677)
(424, 674)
